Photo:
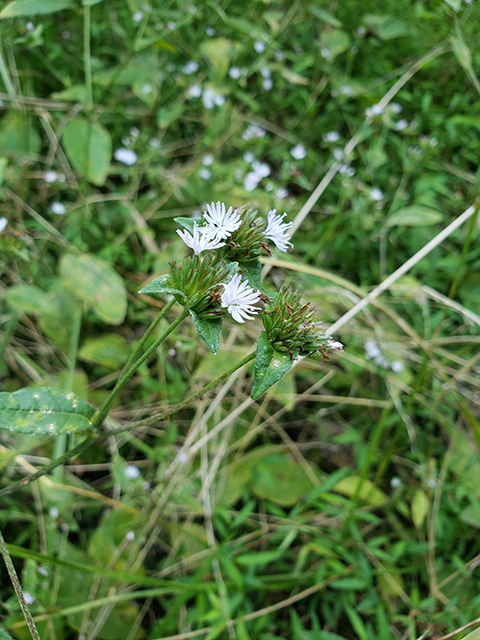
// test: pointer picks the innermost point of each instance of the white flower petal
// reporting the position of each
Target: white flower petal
(277, 230)
(239, 297)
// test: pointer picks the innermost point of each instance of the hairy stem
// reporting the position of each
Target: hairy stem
(18, 589)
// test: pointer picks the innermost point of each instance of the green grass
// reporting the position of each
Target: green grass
(345, 502)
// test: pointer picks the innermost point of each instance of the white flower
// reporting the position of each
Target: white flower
(395, 482)
(249, 157)
(130, 536)
(127, 156)
(251, 181)
(207, 160)
(208, 98)
(265, 72)
(205, 173)
(325, 53)
(190, 67)
(3, 224)
(58, 208)
(155, 143)
(259, 46)
(267, 84)
(372, 349)
(235, 73)
(279, 55)
(401, 124)
(29, 599)
(146, 89)
(346, 89)
(131, 472)
(135, 132)
(338, 154)
(53, 513)
(210, 31)
(281, 193)
(395, 107)
(30, 26)
(361, 31)
(239, 298)
(397, 366)
(262, 169)
(171, 25)
(50, 176)
(137, 16)
(376, 194)
(298, 152)
(277, 230)
(334, 344)
(331, 136)
(253, 131)
(220, 222)
(195, 91)
(199, 241)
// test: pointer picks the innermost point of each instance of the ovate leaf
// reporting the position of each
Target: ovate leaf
(414, 216)
(95, 282)
(208, 329)
(253, 270)
(33, 7)
(270, 366)
(109, 351)
(17, 135)
(420, 506)
(280, 479)
(336, 41)
(471, 515)
(88, 146)
(162, 286)
(187, 223)
(27, 298)
(366, 490)
(43, 410)
(386, 27)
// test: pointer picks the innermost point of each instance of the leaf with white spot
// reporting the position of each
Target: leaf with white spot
(270, 366)
(43, 410)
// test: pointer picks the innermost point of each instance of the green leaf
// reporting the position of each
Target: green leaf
(167, 115)
(218, 52)
(369, 492)
(208, 329)
(471, 515)
(420, 506)
(95, 282)
(17, 135)
(253, 271)
(27, 298)
(325, 16)
(4, 635)
(42, 410)
(336, 41)
(270, 366)
(414, 216)
(475, 635)
(162, 286)
(88, 146)
(187, 223)
(57, 317)
(33, 7)
(386, 27)
(280, 479)
(108, 351)
(89, 3)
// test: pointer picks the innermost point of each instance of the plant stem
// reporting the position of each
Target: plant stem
(190, 399)
(18, 589)
(82, 446)
(60, 444)
(130, 368)
(87, 61)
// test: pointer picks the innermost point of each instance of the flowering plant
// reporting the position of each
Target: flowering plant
(228, 278)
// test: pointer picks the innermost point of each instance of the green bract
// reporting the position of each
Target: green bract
(290, 325)
(197, 286)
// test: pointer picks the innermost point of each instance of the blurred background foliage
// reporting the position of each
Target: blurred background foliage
(346, 502)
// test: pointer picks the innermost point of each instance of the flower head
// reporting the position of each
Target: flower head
(127, 156)
(220, 222)
(199, 241)
(277, 230)
(238, 297)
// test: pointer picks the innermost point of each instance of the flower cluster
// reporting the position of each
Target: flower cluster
(290, 326)
(244, 235)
